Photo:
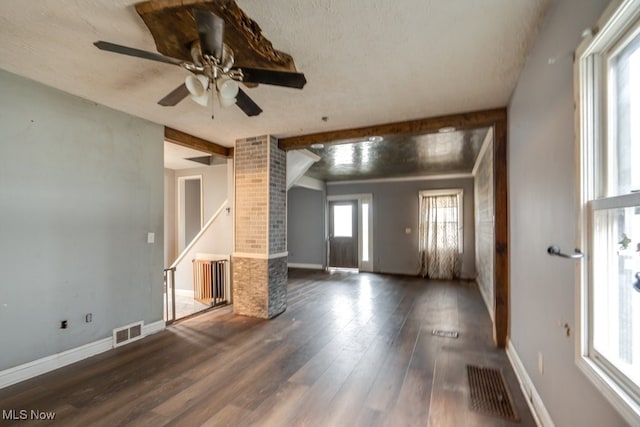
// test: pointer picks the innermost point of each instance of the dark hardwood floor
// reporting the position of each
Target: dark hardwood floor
(351, 349)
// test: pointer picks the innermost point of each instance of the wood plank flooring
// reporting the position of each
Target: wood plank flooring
(350, 350)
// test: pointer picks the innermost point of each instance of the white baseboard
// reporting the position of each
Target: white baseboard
(153, 328)
(536, 405)
(50, 363)
(307, 266)
(55, 361)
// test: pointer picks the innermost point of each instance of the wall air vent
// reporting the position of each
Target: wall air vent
(127, 334)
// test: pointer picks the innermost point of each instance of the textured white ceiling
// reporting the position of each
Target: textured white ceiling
(366, 62)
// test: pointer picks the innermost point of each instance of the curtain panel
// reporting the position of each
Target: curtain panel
(439, 237)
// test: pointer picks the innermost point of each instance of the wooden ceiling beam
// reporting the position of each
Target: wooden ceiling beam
(172, 26)
(469, 120)
(184, 139)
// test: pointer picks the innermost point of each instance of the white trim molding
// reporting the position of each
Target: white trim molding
(55, 361)
(259, 256)
(153, 328)
(50, 363)
(341, 197)
(534, 401)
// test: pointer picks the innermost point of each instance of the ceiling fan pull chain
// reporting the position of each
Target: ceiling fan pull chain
(213, 101)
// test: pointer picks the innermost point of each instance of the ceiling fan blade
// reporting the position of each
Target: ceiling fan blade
(176, 95)
(124, 50)
(210, 31)
(273, 77)
(246, 104)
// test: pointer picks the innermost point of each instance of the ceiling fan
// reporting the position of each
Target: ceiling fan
(212, 69)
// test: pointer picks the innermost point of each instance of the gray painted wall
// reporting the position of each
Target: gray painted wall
(80, 187)
(543, 211)
(305, 226)
(395, 207)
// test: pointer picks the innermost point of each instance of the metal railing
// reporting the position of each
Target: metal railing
(170, 295)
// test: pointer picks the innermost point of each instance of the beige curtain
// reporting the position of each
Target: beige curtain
(439, 242)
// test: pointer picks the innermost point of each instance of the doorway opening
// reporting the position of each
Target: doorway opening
(190, 208)
(349, 232)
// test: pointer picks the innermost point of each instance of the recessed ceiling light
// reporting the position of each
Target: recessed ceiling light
(375, 138)
(447, 129)
(317, 146)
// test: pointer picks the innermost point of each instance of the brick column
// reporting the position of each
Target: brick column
(259, 264)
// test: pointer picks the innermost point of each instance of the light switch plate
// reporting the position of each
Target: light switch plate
(151, 237)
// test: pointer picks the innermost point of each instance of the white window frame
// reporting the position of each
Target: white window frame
(618, 24)
(459, 192)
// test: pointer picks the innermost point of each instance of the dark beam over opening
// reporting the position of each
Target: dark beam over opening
(177, 137)
(428, 125)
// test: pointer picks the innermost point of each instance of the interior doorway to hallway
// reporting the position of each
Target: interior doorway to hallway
(349, 232)
(190, 207)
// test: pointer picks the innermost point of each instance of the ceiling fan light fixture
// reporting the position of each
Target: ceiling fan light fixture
(227, 91)
(201, 100)
(197, 86)
(213, 61)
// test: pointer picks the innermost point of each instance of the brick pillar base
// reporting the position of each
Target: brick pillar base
(259, 286)
(259, 263)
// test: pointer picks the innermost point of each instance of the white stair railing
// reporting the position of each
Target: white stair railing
(216, 237)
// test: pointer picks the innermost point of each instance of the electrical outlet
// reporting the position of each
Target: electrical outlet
(63, 324)
(540, 363)
(88, 317)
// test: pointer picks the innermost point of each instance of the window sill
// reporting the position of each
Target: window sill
(619, 399)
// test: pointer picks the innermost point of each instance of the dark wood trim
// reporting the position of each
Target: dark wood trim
(171, 24)
(177, 137)
(428, 125)
(496, 118)
(501, 210)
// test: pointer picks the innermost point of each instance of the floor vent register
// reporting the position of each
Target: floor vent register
(488, 393)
